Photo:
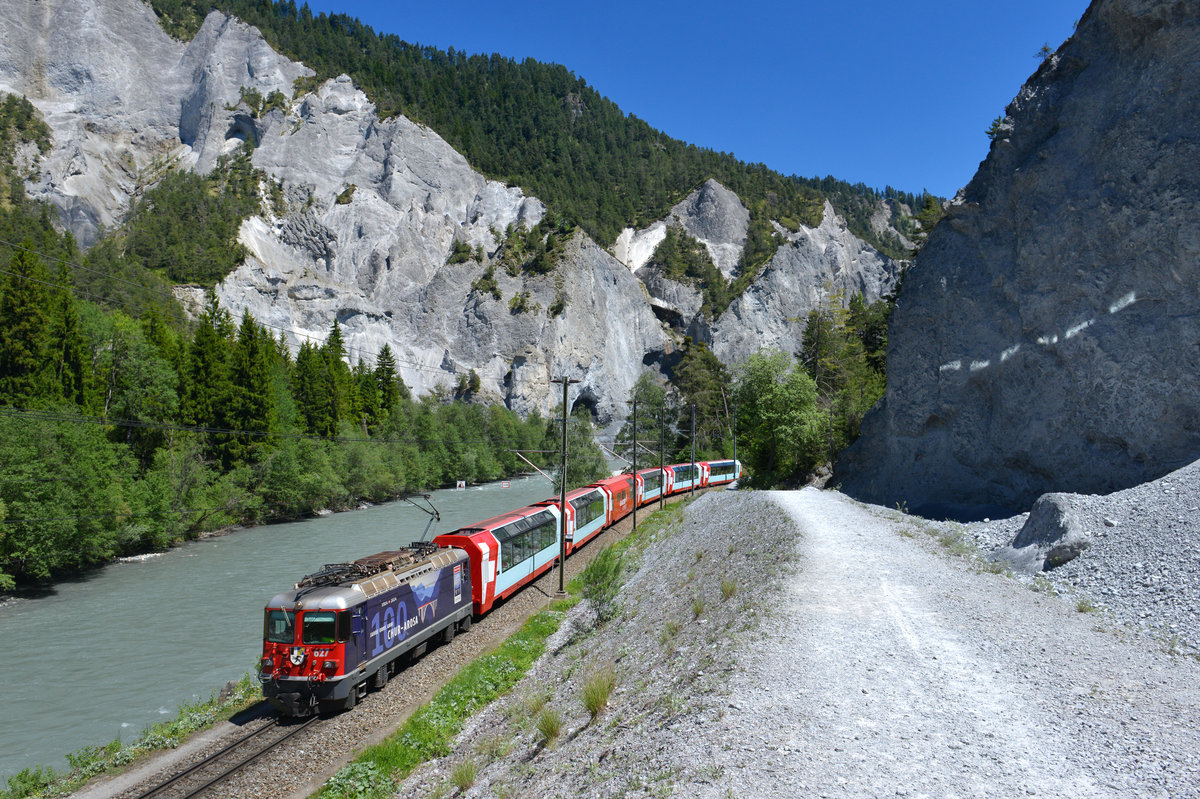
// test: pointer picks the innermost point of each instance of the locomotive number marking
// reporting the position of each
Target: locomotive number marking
(392, 631)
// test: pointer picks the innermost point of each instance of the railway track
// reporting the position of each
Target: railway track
(201, 777)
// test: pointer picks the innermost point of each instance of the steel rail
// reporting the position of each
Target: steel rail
(226, 750)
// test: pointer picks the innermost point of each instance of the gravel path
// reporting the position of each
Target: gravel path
(857, 657)
(909, 675)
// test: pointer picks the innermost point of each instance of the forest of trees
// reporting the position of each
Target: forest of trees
(541, 127)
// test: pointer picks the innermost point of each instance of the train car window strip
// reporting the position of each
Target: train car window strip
(588, 508)
(522, 546)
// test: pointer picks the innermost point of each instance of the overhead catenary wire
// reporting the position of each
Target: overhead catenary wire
(53, 416)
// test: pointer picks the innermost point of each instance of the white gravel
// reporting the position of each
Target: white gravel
(857, 657)
(1142, 565)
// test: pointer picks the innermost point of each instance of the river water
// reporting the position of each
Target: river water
(106, 655)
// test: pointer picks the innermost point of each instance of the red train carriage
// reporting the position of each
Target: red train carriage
(619, 490)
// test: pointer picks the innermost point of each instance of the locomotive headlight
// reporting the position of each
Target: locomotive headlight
(329, 667)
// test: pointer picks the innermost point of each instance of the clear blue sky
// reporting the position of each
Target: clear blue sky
(876, 91)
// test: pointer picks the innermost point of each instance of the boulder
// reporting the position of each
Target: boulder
(1057, 531)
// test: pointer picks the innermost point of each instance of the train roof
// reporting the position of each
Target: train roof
(341, 585)
(508, 517)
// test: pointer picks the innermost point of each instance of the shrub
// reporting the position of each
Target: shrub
(359, 779)
(598, 688)
(463, 776)
(549, 725)
(602, 579)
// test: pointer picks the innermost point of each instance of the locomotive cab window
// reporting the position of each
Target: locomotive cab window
(279, 627)
(343, 625)
(319, 627)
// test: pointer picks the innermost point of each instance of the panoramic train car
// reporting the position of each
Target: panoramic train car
(587, 515)
(682, 476)
(722, 472)
(507, 551)
(342, 629)
(650, 485)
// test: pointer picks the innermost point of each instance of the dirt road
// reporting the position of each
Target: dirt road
(893, 670)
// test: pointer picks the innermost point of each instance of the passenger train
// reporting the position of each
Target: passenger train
(344, 629)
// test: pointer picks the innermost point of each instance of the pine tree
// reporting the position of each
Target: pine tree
(207, 387)
(252, 405)
(651, 403)
(342, 398)
(66, 344)
(702, 380)
(25, 376)
(391, 388)
(312, 392)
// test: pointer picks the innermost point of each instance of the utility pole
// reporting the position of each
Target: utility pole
(635, 447)
(662, 450)
(735, 468)
(694, 475)
(562, 490)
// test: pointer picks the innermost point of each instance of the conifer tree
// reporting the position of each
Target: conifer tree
(391, 388)
(312, 391)
(702, 380)
(651, 403)
(342, 398)
(252, 406)
(24, 330)
(66, 345)
(207, 387)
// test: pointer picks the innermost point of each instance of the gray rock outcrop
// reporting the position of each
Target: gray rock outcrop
(1045, 339)
(812, 268)
(373, 205)
(124, 101)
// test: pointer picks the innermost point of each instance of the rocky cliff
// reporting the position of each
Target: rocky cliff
(814, 266)
(1046, 337)
(811, 267)
(374, 208)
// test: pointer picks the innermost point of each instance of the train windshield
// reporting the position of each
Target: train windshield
(319, 627)
(279, 627)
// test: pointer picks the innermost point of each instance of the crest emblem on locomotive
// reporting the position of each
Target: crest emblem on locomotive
(297, 655)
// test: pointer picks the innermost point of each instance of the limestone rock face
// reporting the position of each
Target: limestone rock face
(716, 217)
(1045, 339)
(712, 214)
(124, 101)
(814, 264)
(373, 205)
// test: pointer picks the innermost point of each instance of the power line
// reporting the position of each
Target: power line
(54, 416)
